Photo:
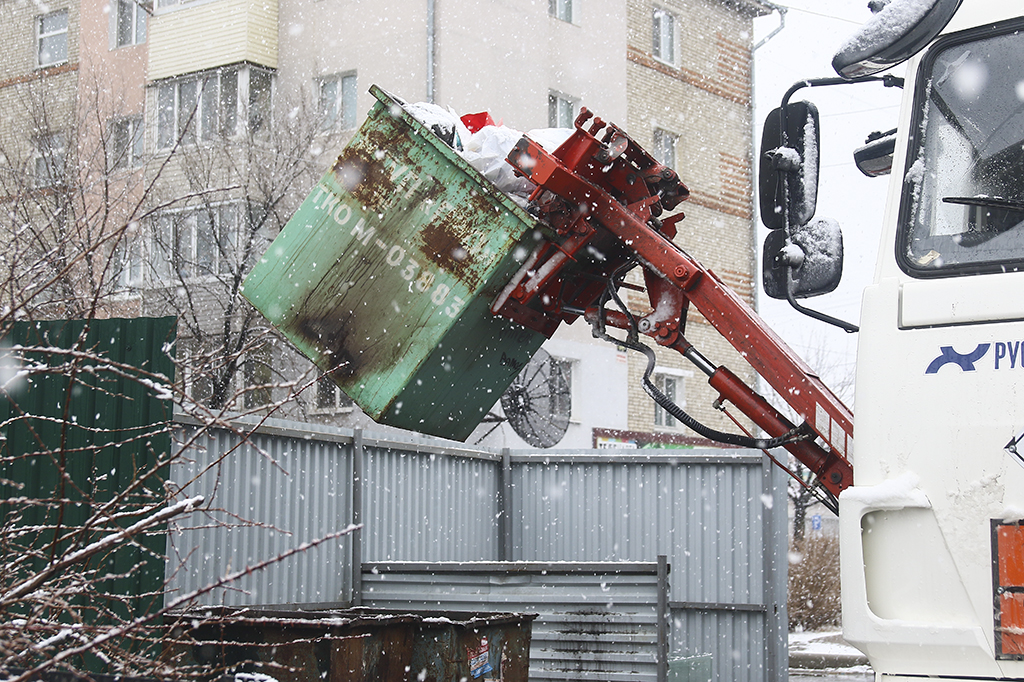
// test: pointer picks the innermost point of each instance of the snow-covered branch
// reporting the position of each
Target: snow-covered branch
(113, 633)
(105, 543)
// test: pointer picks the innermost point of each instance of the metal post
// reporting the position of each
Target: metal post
(505, 507)
(431, 51)
(775, 636)
(357, 516)
(662, 618)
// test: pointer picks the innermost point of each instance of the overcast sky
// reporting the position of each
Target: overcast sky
(814, 29)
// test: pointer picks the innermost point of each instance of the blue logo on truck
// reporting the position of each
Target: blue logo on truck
(966, 362)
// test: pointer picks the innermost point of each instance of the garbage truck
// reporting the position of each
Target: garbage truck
(423, 290)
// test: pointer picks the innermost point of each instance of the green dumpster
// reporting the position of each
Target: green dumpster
(385, 274)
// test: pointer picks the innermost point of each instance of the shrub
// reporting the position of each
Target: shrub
(814, 601)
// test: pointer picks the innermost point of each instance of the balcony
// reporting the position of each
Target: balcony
(201, 35)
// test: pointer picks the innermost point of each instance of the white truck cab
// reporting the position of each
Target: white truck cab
(932, 539)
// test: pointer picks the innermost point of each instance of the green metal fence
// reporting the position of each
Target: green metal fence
(84, 427)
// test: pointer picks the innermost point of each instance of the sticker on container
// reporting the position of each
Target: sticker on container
(479, 663)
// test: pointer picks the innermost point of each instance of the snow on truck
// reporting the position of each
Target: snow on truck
(423, 290)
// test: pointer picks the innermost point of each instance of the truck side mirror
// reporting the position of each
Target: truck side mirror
(813, 253)
(788, 169)
(899, 30)
(875, 157)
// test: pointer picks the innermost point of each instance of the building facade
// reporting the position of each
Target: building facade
(181, 134)
(689, 90)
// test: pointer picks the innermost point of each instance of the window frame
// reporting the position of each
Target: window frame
(130, 256)
(912, 194)
(205, 106)
(557, 103)
(193, 358)
(132, 153)
(563, 10)
(658, 147)
(662, 418)
(49, 154)
(41, 36)
(659, 34)
(258, 376)
(259, 109)
(138, 29)
(166, 240)
(340, 403)
(339, 111)
(568, 367)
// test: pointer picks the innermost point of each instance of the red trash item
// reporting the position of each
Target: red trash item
(477, 121)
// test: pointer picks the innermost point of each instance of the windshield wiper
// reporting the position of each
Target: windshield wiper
(988, 202)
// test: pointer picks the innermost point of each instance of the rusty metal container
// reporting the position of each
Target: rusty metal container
(385, 274)
(351, 645)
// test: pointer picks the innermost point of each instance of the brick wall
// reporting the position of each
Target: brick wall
(703, 97)
(33, 100)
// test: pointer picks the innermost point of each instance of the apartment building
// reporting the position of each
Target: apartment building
(689, 88)
(177, 136)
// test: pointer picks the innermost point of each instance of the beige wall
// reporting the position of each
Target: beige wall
(196, 36)
(502, 56)
(382, 42)
(118, 75)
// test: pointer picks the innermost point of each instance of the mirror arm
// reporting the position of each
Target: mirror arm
(887, 80)
(822, 317)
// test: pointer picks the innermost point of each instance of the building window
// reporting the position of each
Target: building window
(672, 387)
(196, 363)
(129, 260)
(199, 385)
(561, 9)
(560, 386)
(259, 100)
(195, 243)
(561, 111)
(48, 160)
(338, 102)
(130, 23)
(664, 36)
(259, 220)
(206, 106)
(330, 398)
(665, 147)
(52, 38)
(126, 142)
(258, 377)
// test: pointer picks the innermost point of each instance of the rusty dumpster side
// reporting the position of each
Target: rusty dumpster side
(385, 274)
(351, 645)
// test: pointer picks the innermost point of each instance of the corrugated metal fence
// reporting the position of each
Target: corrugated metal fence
(273, 489)
(717, 515)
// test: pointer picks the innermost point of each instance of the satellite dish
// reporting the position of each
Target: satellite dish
(538, 402)
(899, 30)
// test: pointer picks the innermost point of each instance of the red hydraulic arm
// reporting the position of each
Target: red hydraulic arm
(603, 198)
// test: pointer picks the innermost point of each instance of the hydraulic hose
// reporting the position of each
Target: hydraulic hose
(736, 439)
(664, 401)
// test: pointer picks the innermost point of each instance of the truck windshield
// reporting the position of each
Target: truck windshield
(963, 203)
